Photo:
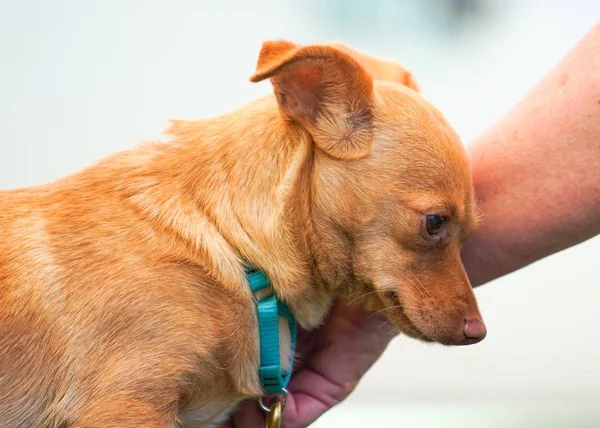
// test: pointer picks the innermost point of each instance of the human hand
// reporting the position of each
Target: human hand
(331, 361)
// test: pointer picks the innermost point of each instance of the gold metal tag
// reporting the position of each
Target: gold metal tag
(274, 415)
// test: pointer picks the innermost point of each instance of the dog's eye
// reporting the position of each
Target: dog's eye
(434, 223)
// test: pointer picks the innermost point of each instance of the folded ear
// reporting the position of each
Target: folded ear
(379, 68)
(325, 91)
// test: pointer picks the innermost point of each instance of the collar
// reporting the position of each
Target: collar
(268, 309)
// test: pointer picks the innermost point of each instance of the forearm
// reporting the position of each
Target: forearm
(537, 172)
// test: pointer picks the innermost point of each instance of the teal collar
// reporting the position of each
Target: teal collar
(268, 309)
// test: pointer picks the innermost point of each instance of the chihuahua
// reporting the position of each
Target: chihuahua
(123, 295)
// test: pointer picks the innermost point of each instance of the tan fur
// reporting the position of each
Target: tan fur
(122, 295)
(379, 68)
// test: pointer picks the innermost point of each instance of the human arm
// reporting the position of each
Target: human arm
(537, 171)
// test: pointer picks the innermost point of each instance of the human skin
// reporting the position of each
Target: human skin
(537, 179)
(537, 171)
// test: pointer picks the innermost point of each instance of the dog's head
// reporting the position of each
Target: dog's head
(391, 191)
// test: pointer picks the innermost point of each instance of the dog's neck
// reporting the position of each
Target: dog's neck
(244, 182)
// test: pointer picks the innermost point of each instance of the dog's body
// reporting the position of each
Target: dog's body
(123, 300)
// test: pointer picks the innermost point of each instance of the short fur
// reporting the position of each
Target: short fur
(123, 300)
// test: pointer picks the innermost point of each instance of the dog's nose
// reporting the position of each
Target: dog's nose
(475, 331)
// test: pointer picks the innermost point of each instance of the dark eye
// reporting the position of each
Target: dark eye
(434, 223)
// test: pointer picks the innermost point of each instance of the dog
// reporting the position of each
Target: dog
(123, 295)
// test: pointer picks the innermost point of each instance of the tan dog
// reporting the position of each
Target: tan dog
(123, 300)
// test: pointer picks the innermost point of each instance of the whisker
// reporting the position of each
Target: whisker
(420, 283)
(420, 287)
(392, 331)
(403, 342)
(480, 212)
(363, 295)
(385, 309)
(398, 331)
(414, 284)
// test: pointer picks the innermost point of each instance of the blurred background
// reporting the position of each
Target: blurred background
(82, 79)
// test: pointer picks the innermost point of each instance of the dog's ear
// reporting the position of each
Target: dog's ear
(380, 68)
(324, 90)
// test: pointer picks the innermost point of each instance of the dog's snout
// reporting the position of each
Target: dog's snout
(475, 330)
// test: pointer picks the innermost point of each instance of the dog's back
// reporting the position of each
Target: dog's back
(151, 314)
(27, 341)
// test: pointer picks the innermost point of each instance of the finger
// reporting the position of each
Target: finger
(350, 343)
(249, 415)
(311, 395)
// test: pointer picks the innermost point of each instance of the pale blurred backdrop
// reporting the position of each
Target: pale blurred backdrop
(82, 79)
